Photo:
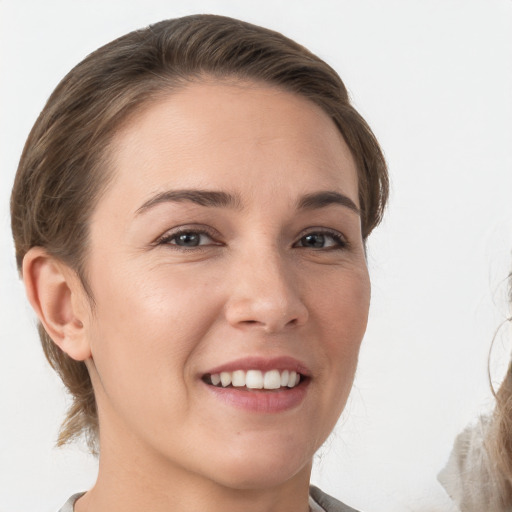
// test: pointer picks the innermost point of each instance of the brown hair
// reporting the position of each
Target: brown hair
(64, 165)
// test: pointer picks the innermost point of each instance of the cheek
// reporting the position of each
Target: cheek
(342, 315)
(342, 307)
(145, 330)
(151, 303)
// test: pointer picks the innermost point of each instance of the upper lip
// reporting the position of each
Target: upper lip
(263, 364)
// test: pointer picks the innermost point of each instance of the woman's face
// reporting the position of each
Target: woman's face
(227, 247)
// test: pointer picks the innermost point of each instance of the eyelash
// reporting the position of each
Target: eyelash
(341, 242)
(169, 237)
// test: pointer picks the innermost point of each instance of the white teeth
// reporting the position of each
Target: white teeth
(256, 379)
(238, 379)
(225, 379)
(272, 380)
(291, 379)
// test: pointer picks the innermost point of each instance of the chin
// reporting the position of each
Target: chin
(251, 480)
(259, 470)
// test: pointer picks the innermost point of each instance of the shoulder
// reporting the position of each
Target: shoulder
(68, 506)
(328, 503)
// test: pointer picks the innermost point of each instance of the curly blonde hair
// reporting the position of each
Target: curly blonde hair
(499, 441)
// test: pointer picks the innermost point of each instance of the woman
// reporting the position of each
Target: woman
(190, 215)
(478, 474)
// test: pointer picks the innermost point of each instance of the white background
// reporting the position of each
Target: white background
(434, 80)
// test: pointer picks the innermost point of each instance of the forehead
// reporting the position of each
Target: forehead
(228, 135)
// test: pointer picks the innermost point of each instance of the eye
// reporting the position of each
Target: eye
(187, 239)
(322, 240)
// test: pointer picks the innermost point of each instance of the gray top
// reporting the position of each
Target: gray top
(318, 502)
(327, 503)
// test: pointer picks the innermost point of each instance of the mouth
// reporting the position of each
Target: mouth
(253, 379)
(260, 385)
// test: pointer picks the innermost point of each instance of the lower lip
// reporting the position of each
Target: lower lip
(261, 401)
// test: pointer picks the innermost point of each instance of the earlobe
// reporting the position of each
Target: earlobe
(52, 289)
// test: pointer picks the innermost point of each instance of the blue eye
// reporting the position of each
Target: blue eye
(315, 241)
(187, 239)
(322, 240)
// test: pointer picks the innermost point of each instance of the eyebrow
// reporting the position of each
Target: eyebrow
(208, 198)
(325, 198)
(218, 199)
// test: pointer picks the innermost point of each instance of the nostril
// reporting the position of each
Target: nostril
(252, 311)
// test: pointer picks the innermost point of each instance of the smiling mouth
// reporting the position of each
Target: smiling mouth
(255, 379)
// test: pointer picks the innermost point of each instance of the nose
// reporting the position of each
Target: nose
(265, 295)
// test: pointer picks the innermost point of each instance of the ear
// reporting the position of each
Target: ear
(55, 292)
